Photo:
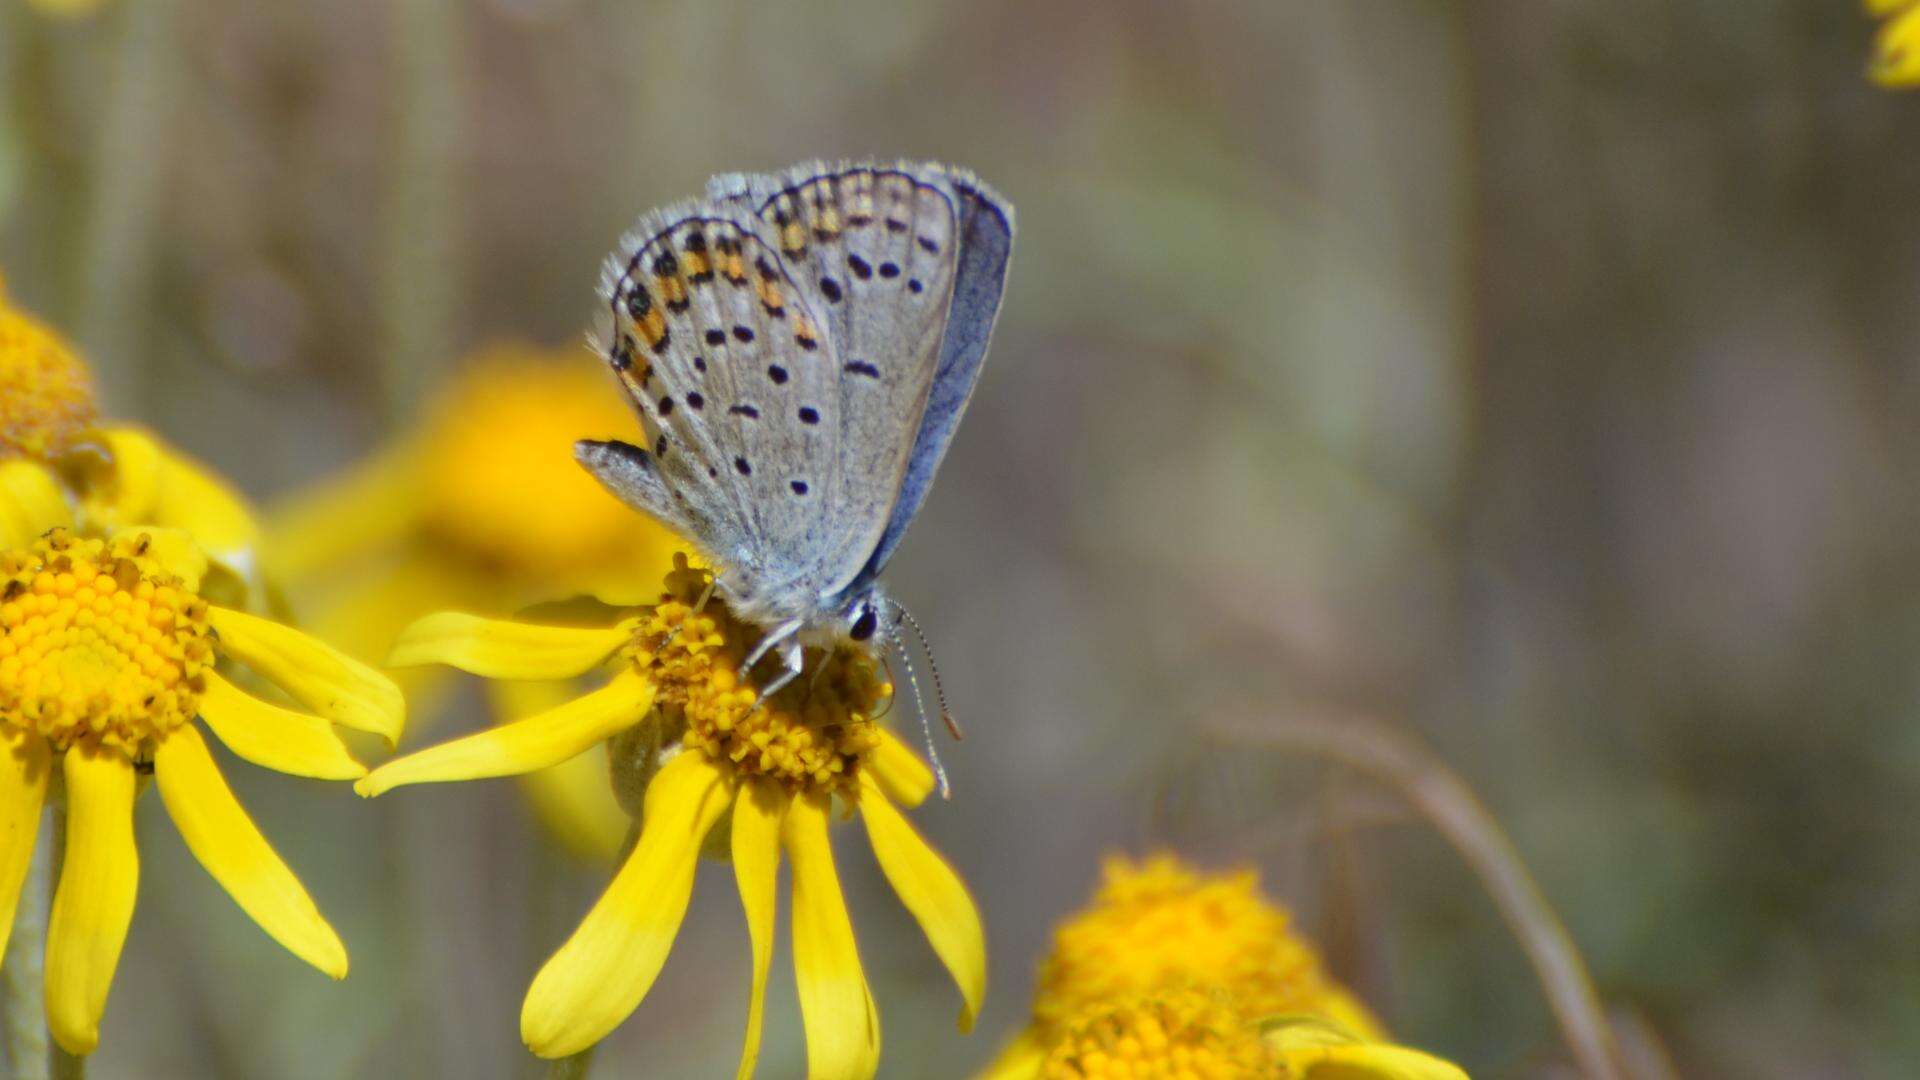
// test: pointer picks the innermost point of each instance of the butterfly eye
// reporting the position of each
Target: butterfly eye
(865, 625)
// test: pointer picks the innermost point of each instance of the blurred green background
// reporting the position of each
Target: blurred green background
(1540, 376)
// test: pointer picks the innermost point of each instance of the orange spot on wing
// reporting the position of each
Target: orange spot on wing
(653, 327)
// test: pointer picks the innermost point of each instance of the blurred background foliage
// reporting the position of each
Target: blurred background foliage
(1540, 376)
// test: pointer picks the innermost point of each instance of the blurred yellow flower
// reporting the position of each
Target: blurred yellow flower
(54, 451)
(46, 391)
(1896, 48)
(777, 767)
(107, 654)
(482, 508)
(67, 9)
(1171, 972)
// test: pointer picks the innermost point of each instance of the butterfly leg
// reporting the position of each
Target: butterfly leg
(771, 638)
(786, 638)
(791, 661)
(700, 605)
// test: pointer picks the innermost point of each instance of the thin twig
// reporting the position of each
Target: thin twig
(420, 234)
(1398, 759)
(129, 173)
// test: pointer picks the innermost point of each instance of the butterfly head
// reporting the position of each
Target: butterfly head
(862, 619)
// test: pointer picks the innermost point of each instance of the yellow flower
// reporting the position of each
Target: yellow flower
(1896, 48)
(107, 654)
(483, 508)
(53, 453)
(1170, 972)
(46, 392)
(773, 772)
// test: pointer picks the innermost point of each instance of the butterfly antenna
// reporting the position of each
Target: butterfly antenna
(939, 692)
(926, 728)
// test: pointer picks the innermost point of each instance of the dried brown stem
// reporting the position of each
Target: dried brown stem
(1399, 760)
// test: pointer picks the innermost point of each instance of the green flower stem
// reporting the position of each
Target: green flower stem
(571, 1067)
(23, 974)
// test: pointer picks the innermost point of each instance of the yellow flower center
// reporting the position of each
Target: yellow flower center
(811, 735)
(97, 642)
(1180, 1033)
(1158, 923)
(500, 481)
(46, 392)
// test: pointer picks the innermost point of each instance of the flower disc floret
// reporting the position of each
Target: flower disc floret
(98, 642)
(1157, 922)
(1186, 1034)
(46, 391)
(812, 735)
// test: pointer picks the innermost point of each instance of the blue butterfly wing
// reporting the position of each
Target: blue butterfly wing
(986, 247)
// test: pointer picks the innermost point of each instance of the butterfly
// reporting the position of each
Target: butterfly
(800, 347)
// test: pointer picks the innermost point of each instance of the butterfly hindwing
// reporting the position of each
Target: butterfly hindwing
(985, 251)
(875, 247)
(714, 343)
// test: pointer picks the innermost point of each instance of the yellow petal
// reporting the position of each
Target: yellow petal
(836, 1007)
(1341, 1007)
(598, 977)
(902, 775)
(1022, 1059)
(275, 738)
(176, 551)
(572, 799)
(25, 763)
(31, 502)
(94, 903)
(154, 484)
(220, 835)
(358, 511)
(319, 676)
(1896, 51)
(123, 485)
(1369, 1061)
(501, 649)
(933, 892)
(1886, 7)
(523, 745)
(757, 814)
(1312, 1048)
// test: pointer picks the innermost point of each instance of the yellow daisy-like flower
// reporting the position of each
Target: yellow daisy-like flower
(55, 457)
(1175, 973)
(1896, 48)
(483, 508)
(46, 392)
(107, 656)
(772, 771)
